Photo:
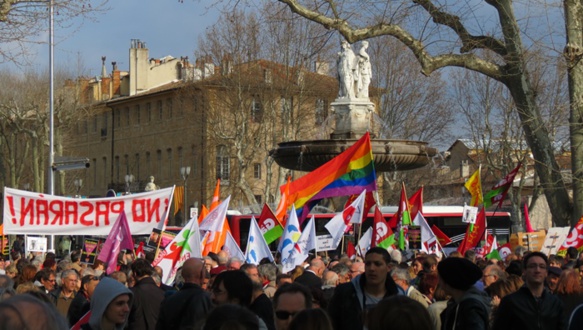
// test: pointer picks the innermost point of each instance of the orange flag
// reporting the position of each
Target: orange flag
(178, 199)
(415, 203)
(214, 240)
(281, 210)
(203, 213)
(216, 196)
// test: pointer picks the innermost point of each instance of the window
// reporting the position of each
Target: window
(138, 114)
(137, 167)
(223, 164)
(169, 107)
(94, 128)
(321, 113)
(148, 164)
(257, 171)
(159, 163)
(169, 164)
(117, 168)
(117, 118)
(258, 199)
(127, 116)
(149, 112)
(94, 165)
(160, 110)
(256, 110)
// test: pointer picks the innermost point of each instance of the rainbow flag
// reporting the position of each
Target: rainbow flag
(349, 173)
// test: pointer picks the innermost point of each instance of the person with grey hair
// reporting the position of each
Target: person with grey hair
(396, 256)
(343, 273)
(234, 264)
(64, 295)
(268, 273)
(402, 278)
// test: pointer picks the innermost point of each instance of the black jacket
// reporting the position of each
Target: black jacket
(521, 310)
(471, 312)
(346, 305)
(146, 304)
(310, 280)
(186, 308)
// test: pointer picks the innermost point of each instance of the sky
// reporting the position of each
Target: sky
(167, 28)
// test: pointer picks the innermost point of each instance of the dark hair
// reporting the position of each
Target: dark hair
(572, 252)
(428, 263)
(49, 263)
(515, 267)
(141, 267)
(282, 276)
(86, 279)
(75, 256)
(45, 274)
(399, 313)
(428, 281)
(311, 319)
(534, 254)
(231, 317)
(292, 288)
(237, 284)
(383, 252)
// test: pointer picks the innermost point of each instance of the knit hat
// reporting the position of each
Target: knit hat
(459, 273)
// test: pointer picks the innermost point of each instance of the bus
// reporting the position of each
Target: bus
(447, 218)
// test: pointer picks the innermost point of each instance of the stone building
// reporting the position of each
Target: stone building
(220, 120)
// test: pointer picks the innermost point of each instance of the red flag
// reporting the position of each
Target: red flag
(498, 192)
(441, 236)
(527, 220)
(575, 239)
(415, 203)
(216, 196)
(382, 231)
(270, 227)
(472, 238)
(140, 251)
(350, 250)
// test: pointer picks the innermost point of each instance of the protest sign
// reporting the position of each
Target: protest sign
(34, 213)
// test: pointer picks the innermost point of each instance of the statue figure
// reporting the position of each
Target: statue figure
(151, 186)
(346, 67)
(364, 71)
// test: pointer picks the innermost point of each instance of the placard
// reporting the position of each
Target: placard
(555, 238)
(470, 213)
(324, 243)
(90, 250)
(36, 244)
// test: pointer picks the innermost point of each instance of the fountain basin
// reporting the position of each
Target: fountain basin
(389, 155)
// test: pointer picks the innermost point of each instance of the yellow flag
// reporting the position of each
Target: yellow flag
(474, 186)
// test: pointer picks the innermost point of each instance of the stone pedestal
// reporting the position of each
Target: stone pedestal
(353, 118)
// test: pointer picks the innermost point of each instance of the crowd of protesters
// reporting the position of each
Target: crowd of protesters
(381, 290)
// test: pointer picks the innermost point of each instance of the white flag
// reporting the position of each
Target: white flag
(184, 246)
(305, 243)
(233, 248)
(429, 242)
(214, 220)
(352, 214)
(291, 234)
(162, 224)
(365, 242)
(257, 247)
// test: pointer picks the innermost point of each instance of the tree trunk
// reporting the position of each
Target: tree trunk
(573, 54)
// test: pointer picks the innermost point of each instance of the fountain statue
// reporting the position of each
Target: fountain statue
(353, 112)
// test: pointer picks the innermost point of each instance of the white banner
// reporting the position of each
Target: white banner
(31, 213)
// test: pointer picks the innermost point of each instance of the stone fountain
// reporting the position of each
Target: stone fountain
(353, 113)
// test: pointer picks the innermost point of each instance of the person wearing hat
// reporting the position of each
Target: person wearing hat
(110, 306)
(553, 278)
(469, 307)
(532, 306)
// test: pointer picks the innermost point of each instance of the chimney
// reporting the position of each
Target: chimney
(103, 71)
(116, 80)
(139, 66)
(464, 169)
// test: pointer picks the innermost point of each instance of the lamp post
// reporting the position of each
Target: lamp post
(129, 179)
(185, 172)
(78, 183)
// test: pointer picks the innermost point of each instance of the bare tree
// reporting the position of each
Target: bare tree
(22, 20)
(452, 36)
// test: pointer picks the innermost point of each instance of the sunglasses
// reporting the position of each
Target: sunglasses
(284, 315)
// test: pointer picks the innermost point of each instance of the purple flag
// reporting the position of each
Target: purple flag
(119, 238)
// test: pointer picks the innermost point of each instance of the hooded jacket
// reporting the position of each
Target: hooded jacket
(472, 311)
(105, 292)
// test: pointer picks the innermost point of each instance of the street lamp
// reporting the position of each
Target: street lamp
(129, 179)
(185, 172)
(78, 183)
